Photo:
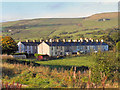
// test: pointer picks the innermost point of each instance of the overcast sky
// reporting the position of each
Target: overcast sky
(28, 10)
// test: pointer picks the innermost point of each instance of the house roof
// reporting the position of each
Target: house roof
(74, 43)
(64, 43)
(31, 43)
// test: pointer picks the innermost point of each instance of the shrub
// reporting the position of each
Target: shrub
(106, 64)
(36, 55)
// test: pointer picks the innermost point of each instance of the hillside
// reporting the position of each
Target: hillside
(69, 28)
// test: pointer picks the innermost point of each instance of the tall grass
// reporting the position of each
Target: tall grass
(44, 77)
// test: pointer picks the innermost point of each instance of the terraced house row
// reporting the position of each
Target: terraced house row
(62, 47)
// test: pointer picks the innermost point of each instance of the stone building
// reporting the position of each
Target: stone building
(64, 47)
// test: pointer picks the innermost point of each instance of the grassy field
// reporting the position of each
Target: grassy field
(52, 27)
(73, 61)
(30, 76)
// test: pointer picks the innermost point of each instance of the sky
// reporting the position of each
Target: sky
(12, 11)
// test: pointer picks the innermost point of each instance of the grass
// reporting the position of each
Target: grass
(29, 76)
(43, 76)
(48, 28)
(72, 61)
(81, 62)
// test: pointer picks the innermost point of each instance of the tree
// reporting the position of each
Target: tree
(105, 68)
(8, 45)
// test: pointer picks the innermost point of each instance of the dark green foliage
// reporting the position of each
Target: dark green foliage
(106, 64)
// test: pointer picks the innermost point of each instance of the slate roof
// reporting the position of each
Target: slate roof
(73, 43)
(31, 43)
(63, 43)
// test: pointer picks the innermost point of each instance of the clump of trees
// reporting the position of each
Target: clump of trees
(8, 45)
(106, 68)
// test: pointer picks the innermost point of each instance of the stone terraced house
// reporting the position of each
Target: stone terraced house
(61, 48)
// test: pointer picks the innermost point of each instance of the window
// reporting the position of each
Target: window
(57, 47)
(29, 52)
(25, 47)
(60, 53)
(55, 52)
(52, 53)
(61, 48)
(35, 47)
(52, 48)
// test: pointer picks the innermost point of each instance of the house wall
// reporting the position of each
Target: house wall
(57, 50)
(43, 48)
(21, 48)
(28, 49)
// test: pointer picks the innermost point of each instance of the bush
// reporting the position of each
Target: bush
(36, 55)
(106, 64)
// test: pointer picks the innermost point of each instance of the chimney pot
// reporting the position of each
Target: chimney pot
(34, 40)
(81, 39)
(92, 40)
(64, 40)
(78, 40)
(69, 40)
(74, 40)
(87, 40)
(46, 40)
(53, 40)
(102, 40)
(57, 40)
(40, 40)
(50, 40)
(97, 40)
(27, 40)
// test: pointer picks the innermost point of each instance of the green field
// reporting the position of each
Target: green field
(48, 74)
(73, 61)
(69, 28)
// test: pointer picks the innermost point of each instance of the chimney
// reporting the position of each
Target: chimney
(46, 40)
(78, 40)
(50, 40)
(102, 40)
(97, 40)
(27, 40)
(74, 40)
(53, 40)
(64, 40)
(34, 40)
(92, 40)
(86, 40)
(40, 40)
(57, 40)
(81, 39)
(70, 40)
